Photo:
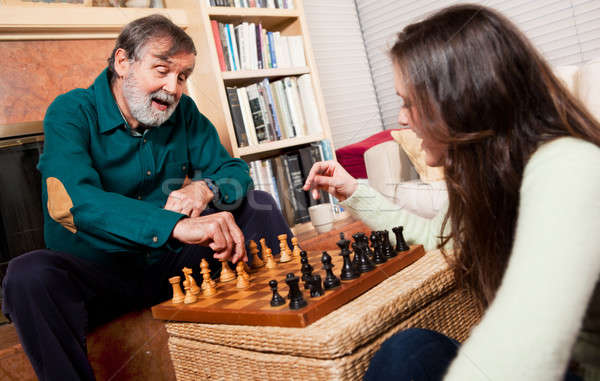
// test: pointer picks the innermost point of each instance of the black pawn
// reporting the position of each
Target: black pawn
(331, 281)
(400, 242)
(378, 256)
(315, 286)
(388, 250)
(296, 299)
(277, 299)
(306, 271)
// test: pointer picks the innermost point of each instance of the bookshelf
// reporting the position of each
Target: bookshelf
(207, 85)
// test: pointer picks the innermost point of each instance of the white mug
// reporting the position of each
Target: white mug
(321, 217)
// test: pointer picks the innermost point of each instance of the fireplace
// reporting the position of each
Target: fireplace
(21, 218)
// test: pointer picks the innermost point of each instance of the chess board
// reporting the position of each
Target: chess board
(251, 306)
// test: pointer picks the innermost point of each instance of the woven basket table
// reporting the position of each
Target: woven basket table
(337, 347)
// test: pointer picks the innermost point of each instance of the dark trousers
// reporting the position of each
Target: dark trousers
(55, 298)
(417, 355)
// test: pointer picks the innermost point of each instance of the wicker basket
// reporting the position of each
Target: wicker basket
(336, 347)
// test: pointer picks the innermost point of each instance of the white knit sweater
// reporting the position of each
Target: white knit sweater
(529, 330)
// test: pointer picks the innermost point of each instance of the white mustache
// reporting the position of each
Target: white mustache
(163, 96)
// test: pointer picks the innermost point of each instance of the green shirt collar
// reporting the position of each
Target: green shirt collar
(109, 116)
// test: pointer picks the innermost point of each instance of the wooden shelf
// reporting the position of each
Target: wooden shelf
(43, 22)
(229, 76)
(279, 144)
(249, 12)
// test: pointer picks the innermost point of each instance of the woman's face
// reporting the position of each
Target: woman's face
(434, 150)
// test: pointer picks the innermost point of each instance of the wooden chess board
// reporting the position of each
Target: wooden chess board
(251, 306)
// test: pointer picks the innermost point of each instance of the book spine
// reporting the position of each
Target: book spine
(262, 99)
(215, 30)
(285, 109)
(236, 116)
(278, 111)
(283, 187)
(272, 50)
(297, 182)
(272, 181)
(232, 47)
(309, 105)
(257, 114)
(306, 163)
(272, 110)
(225, 46)
(259, 47)
(291, 94)
(247, 116)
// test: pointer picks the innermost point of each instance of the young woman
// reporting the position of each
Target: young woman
(522, 164)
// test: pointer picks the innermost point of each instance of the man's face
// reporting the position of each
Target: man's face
(153, 84)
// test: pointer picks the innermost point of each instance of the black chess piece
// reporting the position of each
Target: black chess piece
(348, 270)
(400, 242)
(296, 298)
(378, 256)
(316, 289)
(331, 281)
(364, 263)
(277, 299)
(306, 270)
(388, 250)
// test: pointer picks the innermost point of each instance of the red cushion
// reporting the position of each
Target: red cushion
(351, 156)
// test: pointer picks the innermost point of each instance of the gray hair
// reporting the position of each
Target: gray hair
(138, 33)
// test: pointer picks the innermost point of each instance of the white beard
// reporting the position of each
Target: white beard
(140, 103)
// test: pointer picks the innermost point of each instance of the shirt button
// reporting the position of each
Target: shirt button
(139, 197)
(226, 197)
(155, 239)
(149, 173)
(145, 141)
(183, 167)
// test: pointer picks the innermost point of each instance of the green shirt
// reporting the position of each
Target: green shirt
(104, 188)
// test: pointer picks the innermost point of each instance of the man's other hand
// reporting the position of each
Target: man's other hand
(191, 199)
(217, 231)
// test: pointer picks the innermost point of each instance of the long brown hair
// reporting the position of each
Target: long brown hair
(478, 85)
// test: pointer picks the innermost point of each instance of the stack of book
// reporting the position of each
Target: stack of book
(284, 176)
(269, 111)
(248, 46)
(283, 4)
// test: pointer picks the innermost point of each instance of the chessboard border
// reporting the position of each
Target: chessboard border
(284, 317)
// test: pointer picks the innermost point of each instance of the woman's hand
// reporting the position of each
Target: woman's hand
(331, 177)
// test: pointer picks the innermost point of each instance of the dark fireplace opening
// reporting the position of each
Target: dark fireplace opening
(21, 218)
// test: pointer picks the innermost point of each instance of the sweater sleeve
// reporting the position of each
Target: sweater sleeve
(378, 213)
(529, 329)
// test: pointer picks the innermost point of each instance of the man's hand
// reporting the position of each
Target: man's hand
(217, 231)
(191, 199)
(331, 177)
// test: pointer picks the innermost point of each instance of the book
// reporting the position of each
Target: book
(271, 182)
(231, 46)
(294, 105)
(242, 43)
(247, 116)
(267, 117)
(292, 161)
(306, 162)
(283, 186)
(296, 49)
(309, 105)
(257, 113)
(216, 36)
(236, 117)
(234, 47)
(286, 119)
(225, 46)
(272, 55)
(259, 46)
(278, 111)
(317, 155)
(252, 48)
(271, 104)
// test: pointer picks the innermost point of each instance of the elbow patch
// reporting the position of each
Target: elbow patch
(60, 204)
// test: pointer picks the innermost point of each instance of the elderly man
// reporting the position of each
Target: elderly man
(136, 185)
